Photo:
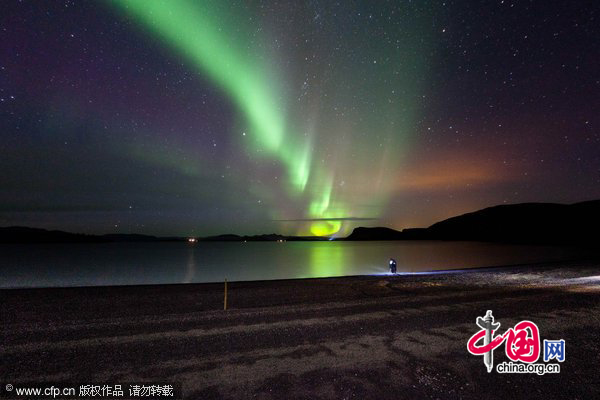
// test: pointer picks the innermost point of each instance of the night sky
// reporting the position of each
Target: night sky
(199, 118)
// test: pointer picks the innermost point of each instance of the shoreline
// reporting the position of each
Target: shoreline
(541, 264)
(380, 336)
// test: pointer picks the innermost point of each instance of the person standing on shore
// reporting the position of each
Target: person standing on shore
(392, 266)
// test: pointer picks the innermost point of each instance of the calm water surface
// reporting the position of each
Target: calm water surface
(154, 263)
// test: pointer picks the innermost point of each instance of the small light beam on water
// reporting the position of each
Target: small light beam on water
(409, 273)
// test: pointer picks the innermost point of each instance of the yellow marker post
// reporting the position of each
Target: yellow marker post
(225, 298)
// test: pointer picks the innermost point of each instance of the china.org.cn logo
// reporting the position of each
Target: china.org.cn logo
(521, 344)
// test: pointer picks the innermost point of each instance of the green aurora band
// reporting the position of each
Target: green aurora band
(224, 48)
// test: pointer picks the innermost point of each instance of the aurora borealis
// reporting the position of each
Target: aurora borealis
(240, 62)
(305, 118)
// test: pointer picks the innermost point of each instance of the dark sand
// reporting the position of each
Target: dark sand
(372, 337)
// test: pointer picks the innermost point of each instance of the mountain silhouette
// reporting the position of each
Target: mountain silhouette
(543, 223)
(21, 234)
(532, 223)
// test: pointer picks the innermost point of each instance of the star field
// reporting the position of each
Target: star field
(309, 118)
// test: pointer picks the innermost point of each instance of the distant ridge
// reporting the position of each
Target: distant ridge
(379, 233)
(21, 234)
(543, 223)
(532, 223)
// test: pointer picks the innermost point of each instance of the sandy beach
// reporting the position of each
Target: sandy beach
(367, 337)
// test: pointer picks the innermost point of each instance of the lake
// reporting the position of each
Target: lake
(53, 265)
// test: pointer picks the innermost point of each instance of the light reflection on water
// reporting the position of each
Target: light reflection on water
(190, 268)
(155, 263)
